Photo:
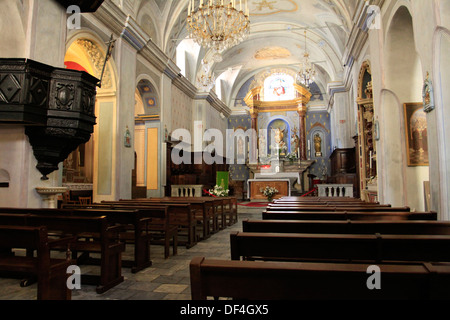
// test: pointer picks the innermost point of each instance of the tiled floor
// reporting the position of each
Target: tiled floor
(166, 279)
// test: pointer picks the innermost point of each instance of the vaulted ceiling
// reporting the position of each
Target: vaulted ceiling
(276, 40)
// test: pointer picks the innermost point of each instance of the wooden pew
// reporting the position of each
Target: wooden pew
(376, 248)
(205, 211)
(150, 225)
(137, 219)
(344, 215)
(305, 199)
(93, 235)
(257, 280)
(347, 226)
(360, 208)
(216, 216)
(50, 273)
(181, 215)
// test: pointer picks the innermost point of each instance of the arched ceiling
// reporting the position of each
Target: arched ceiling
(276, 39)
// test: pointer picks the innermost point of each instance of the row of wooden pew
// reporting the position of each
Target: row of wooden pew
(98, 234)
(312, 248)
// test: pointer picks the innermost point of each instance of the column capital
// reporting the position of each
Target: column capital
(301, 109)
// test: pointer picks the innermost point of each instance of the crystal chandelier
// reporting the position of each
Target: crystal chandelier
(206, 81)
(307, 69)
(218, 24)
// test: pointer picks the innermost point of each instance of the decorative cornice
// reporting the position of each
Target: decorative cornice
(333, 88)
(214, 101)
(121, 24)
(359, 33)
(134, 35)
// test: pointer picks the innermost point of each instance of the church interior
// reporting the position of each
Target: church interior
(181, 108)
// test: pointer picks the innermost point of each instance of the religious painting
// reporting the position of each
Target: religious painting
(279, 87)
(416, 134)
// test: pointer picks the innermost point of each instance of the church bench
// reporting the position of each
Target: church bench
(366, 208)
(261, 280)
(93, 235)
(344, 215)
(135, 219)
(218, 213)
(225, 208)
(230, 204)
(367, 248)
(50, 273)
(181, 215)
(205, 211)
(328, 204)
(150, 225)
(347, 226)
(319, 200)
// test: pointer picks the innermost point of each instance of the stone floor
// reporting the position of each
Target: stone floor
(166, 279)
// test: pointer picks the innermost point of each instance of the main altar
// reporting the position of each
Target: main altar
(278, 116)
(288, 177)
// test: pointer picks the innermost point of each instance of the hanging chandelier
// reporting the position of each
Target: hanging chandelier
(307, 69)
(207, 80)
(218, 24)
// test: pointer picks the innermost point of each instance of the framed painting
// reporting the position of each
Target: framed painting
(416, 134)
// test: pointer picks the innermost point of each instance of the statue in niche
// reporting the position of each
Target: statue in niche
(240, 147)
(279, 139)
(318, 145)
(295, 141)
(262, 145)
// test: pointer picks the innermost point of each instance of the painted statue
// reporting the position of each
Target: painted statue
(295, 141)
(318, 145)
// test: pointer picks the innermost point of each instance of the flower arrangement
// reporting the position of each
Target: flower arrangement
(291, 156)
(219, 191)
(269, 192)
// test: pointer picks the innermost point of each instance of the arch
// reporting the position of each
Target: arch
(92, 163)
(88, 50)
(402, 184)
(149, 98)
(281, 123)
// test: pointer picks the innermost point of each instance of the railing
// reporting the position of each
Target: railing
(188, 190)
(335, 190)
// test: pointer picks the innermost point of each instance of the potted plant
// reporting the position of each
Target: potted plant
(269, 192)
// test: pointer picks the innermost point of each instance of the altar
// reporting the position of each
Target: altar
(285, 175)
(255, 187)
(293, 177)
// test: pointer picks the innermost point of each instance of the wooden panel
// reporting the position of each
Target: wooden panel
(256, 186)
